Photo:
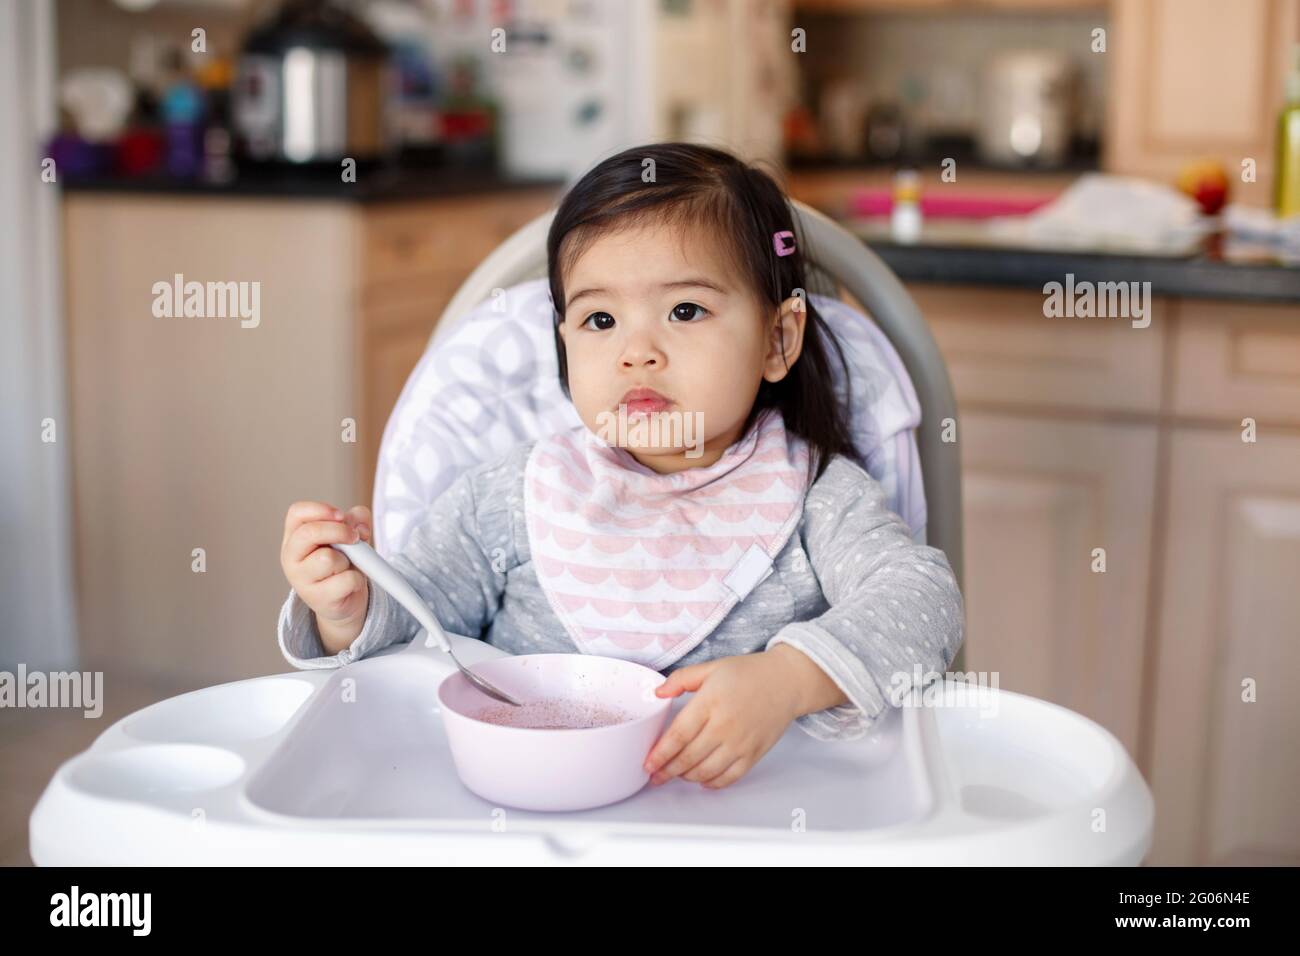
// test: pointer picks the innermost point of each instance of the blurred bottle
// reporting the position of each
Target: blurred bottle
(182, 113)
(214, 79)
(1286, 177)
(905, 214)
(469, 116)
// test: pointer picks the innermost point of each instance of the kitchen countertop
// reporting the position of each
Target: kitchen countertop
(1204, 275)
(1221, 271)
(381, 184)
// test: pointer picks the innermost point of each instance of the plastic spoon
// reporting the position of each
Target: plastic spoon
(380, 572)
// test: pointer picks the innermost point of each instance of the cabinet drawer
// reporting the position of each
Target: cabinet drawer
(1001, 349)
(1235, 361)
(413, 241)
(416, 241)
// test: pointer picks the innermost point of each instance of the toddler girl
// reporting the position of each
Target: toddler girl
(710, 518)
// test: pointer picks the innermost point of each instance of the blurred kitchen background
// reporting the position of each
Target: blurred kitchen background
(982, 147)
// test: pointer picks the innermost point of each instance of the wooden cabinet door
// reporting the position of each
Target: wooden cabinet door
(394, 336)
(1197, 78)
(1225, 771)
(195, 433)
(1039, 496)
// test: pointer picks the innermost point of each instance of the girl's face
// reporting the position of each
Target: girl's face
(661, 307)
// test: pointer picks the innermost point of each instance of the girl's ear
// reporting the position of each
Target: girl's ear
(785, 340)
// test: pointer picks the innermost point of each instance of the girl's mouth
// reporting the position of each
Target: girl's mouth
(644, 401)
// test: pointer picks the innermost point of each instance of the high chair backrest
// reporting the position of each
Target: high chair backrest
(419, 456)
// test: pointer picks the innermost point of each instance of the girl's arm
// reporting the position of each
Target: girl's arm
(458, 572)
(894, 605)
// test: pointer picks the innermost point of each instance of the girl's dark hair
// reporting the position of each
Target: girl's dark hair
(689, 183)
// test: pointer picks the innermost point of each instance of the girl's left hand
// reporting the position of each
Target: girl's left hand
(742, 707)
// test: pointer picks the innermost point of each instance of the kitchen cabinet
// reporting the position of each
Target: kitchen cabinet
(1223, 761)
(411, 242)
(414, 259)
(1090, 433)
(196, 433)
(1186, 79)
(1001, 348)
(1197, 79)
(1058, 443)
(393, 337)
(1040, 495)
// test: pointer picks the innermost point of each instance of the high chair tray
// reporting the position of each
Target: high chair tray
(352, 766)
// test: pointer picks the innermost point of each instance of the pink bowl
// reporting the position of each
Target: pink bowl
(554, 769)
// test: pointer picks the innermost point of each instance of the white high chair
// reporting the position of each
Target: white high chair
(292, 769)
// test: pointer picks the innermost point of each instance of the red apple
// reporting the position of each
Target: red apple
(1206, 181)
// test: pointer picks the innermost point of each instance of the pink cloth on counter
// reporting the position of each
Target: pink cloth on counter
(948, 205)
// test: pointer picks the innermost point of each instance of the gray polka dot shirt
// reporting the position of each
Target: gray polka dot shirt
(850, 589)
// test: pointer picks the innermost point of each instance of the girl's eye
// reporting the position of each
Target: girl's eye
(599, 316)
(686, 311)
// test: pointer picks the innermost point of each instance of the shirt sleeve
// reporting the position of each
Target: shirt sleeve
(895, 608)
(447, 562)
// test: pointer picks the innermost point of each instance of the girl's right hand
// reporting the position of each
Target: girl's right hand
(323, 576)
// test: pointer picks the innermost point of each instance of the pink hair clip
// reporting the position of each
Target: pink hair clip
(779, 240)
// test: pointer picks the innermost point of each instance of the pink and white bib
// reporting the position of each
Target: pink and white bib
(643, 566)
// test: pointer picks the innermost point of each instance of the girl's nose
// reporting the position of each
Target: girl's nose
(635, 361)
(641, 350)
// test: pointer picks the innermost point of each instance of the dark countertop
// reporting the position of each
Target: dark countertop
(1206, 275)
(376, 185)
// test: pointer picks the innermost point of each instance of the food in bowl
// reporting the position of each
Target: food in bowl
(553, 713)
